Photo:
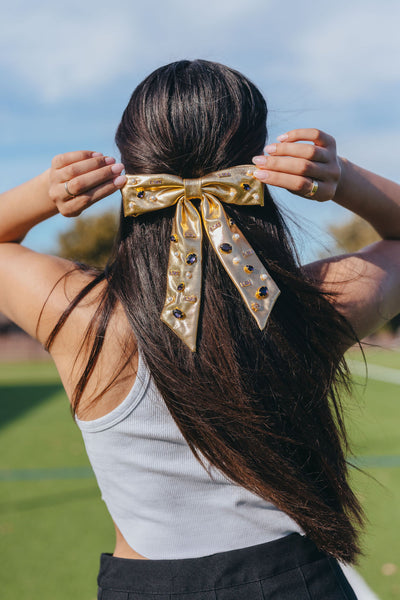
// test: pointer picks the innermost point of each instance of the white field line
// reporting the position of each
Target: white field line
(377, 372)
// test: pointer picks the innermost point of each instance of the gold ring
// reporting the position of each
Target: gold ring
(67, 190)
(313, 190)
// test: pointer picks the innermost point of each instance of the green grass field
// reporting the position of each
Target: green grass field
(53, 524)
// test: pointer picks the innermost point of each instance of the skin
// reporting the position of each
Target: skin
(366, 283)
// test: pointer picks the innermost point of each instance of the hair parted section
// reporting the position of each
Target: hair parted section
(262, 406)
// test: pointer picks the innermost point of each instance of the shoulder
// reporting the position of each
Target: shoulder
(364, 286)
(35, 288)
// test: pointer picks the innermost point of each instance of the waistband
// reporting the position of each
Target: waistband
(187, 575)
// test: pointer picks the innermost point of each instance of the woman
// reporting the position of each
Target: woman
(215, 431)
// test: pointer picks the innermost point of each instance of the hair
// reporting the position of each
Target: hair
(262, 406)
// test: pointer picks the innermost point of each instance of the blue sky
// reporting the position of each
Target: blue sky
(67, 71)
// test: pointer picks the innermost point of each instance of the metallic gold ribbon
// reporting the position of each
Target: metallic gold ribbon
(144, 193)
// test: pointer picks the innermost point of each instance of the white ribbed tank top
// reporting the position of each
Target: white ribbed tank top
(163, 501)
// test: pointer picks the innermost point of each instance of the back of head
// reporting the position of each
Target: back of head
(190, 118)
(262, 406)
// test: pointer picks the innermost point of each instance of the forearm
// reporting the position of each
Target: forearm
(23, 207)
(374, 198)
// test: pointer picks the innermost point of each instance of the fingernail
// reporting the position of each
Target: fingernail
(270, 149)
(261, 174)
(258, 160)
(117, 168)
(96, 154)
(283, 137)
(109, 160)
(118, 181)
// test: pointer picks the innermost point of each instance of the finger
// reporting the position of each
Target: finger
(294, 166)
(318, 137)
(81, 183)
(75, 206)
(77, 169)
(307, 151)
(296, 184)
(68, 158)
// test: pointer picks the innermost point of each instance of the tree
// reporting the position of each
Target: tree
(90, 238)
(353, 235)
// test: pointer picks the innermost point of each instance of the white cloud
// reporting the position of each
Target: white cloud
(63, 51)
(353, 53)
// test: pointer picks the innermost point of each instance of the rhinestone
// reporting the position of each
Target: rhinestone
(246, 187)
(176, 254)
(173, 238)
(189, 234)
(246, 283)
(248, 268)
(231, 222)
(255, 306)
(263, 276)
(174, 272)
(236, 260)
(181, 287)
(262, 292)
(140, 194)
(226, 248)
(215, 226)
(236, 236)
(190, 298)
(248, 252)
(188, 275)
(131, 205)
(170, 298)
(152, 198)
(256, 196)
(191, 258)
(249, 173)
(178, 314)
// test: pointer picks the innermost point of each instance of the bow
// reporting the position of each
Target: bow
(144, 193)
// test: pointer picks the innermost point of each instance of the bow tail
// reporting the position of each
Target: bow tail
(183, 296)
(255, 285)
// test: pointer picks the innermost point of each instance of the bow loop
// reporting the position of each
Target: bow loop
(145, 193)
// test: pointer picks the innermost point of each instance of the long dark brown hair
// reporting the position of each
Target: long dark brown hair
(262, 406)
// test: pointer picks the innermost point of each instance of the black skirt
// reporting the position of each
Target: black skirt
(290, 568)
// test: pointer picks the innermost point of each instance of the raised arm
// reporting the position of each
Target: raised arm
(366, 283)
(26, 277)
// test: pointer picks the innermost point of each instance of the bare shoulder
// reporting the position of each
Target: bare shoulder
(365, 285)
(35, 287)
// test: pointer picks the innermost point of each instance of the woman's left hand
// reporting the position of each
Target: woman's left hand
(308, 170)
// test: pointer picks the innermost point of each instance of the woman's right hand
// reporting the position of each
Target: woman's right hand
(79, 179)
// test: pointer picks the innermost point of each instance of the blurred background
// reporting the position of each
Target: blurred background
(67, 72)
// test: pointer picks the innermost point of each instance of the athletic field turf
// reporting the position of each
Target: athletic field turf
(53, 524)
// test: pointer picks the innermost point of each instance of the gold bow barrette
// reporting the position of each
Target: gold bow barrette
(145, 193)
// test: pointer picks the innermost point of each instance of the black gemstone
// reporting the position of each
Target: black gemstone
(140, 194)
(248, 268)
(181, 287)
(191, 258)
(246, 187)
(231, 222)
(227, 248)
(174, 238)
(178, 314)
(262, 292)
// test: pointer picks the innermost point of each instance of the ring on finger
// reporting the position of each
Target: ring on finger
(314, 189)
(67, 190)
